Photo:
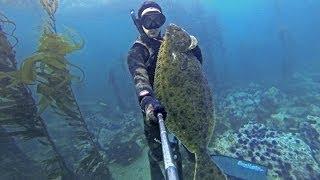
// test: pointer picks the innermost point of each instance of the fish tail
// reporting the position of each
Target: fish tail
(206, 169)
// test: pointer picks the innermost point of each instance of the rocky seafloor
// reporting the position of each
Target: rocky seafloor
(278, 127)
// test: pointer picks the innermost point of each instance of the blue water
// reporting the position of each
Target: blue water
(249, 31)
(240, 41)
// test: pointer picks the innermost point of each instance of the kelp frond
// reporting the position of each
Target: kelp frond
(93, 165)
(62, 43)
(5, 20)
(10, 77)
(50, 58)
(74, 37)
(50, 6)
(49, 70)
(18, 112)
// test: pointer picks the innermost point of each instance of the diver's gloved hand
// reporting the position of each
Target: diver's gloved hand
(152, 107)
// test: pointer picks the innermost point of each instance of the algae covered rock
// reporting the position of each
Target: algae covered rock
(182, 88)
(286, 155)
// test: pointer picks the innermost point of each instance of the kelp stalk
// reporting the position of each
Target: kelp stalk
(49, 70)
(50, 6)
(14, 163)
(5, 20)
(18, 115)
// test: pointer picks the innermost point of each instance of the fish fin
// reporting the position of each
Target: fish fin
(206, 169)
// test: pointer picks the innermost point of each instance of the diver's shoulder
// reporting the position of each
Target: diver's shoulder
(139, 43)
(138, 46)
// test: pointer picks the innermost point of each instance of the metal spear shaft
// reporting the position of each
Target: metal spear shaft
(170, 168)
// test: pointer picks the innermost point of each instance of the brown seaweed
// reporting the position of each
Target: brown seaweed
(5, 20)
(15, 164)
(50, 6)
(49, 71)
(18, 115)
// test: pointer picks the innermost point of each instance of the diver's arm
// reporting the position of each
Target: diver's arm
(197, 53)
(137, 57)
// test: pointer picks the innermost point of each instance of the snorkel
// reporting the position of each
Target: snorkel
(148, 22)
(138, 24)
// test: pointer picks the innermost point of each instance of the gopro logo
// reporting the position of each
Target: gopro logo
(250, 166)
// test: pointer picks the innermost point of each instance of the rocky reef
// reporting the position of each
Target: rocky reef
(120, 136)
(124, 153)
(241, 105)
(267, 125)
(286, 155)
(275, 126)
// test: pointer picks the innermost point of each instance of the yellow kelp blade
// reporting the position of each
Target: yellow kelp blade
(13, 76)
(54, 62)
(28, 70)
(71, 36)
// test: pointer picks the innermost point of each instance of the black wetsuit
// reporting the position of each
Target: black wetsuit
(142, 59)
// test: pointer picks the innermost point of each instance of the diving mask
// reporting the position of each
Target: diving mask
(153, 20)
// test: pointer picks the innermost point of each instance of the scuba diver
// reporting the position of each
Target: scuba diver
(142, 59)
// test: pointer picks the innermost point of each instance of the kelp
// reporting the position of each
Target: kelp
(5, 20)
(49, 71)
(7, 61)
(18, 115)
(15, 164)
(43, 65)
(50, 6)
(113, 80)
(286, 42)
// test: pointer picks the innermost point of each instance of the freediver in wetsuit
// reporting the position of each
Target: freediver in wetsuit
(142, 59)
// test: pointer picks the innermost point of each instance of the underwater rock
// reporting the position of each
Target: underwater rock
(280, 116)
(283, 121)
(313, 118)
(288, 118)
(242, 105)
(123, 152)
(105, 129)
(272, 99)
(314, 110)
(285, 154)
(238, 108)
(297, 111)
(311, 135)
(183, 89)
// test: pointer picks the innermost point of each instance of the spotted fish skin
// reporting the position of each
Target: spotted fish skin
(183, 89)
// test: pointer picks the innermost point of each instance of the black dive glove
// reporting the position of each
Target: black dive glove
(152, 107)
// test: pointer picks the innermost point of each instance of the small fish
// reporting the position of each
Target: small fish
(103, 104)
